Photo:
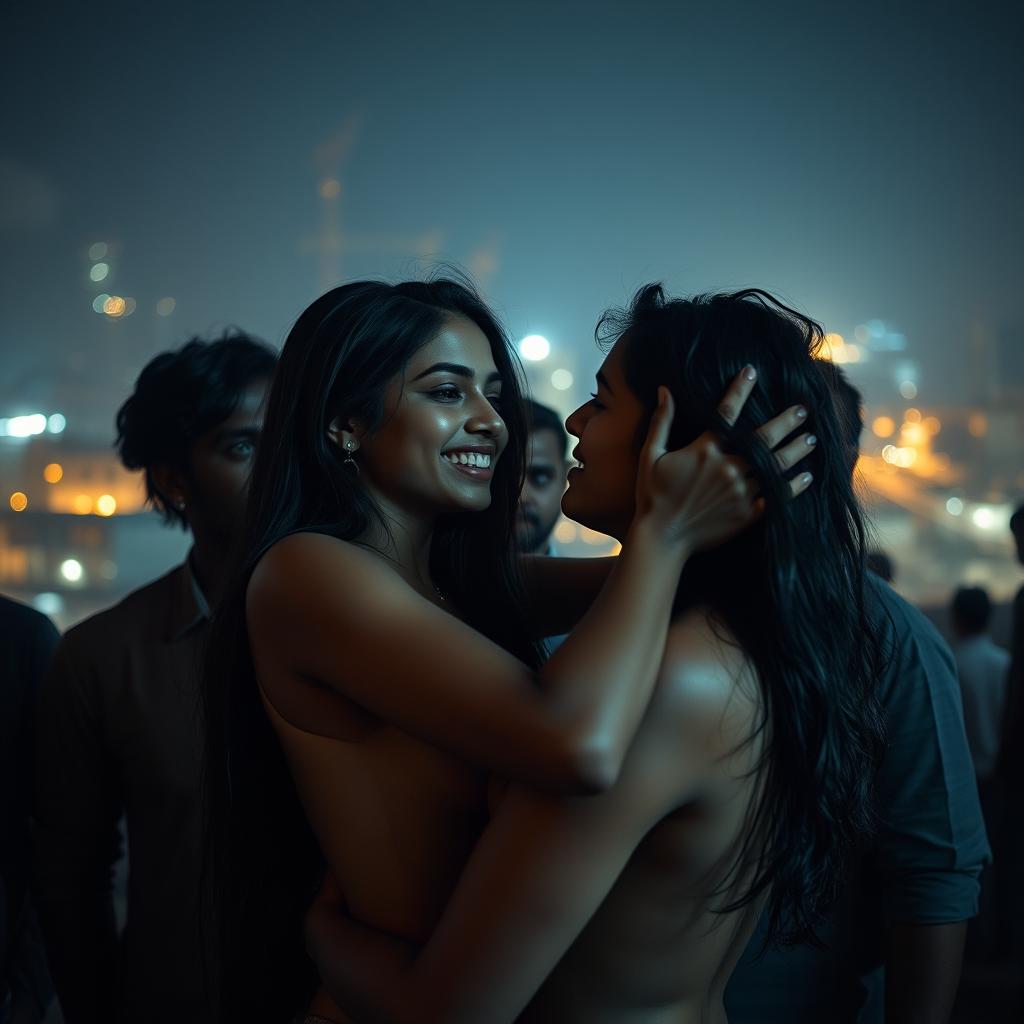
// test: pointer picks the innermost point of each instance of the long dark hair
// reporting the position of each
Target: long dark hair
(264, 864)
(790, 589)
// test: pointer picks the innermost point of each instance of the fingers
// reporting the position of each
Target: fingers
(782, 426)
(736, 396)
(788, 456)
(661, 424)
(800, 483)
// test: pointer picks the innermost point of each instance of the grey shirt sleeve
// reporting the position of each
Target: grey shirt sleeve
(931, 844)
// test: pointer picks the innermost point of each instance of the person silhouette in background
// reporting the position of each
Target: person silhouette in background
(118, 729)
(27, 642)
(540, 500)
(1010, 775)
(982, 668)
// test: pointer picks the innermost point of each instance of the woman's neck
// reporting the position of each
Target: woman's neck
(405, 543)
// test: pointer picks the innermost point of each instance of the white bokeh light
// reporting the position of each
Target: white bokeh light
(561, 380)
(71, 570)
(984, 518)
(535, 347)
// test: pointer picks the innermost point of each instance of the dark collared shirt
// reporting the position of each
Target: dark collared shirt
(927, 855)
(118, 731)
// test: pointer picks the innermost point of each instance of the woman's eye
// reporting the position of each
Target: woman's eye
(448, 394)
(242, 450)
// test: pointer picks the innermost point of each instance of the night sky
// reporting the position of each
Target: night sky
(861, 161)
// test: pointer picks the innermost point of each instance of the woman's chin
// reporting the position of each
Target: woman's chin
(472, 502)
(574, 508)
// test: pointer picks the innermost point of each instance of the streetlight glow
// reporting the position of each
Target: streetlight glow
(71, 570)
(535, 347)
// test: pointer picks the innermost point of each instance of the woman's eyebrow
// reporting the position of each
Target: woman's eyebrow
(459, 370)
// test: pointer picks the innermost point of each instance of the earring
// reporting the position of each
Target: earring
(350, 462)
(180, 504)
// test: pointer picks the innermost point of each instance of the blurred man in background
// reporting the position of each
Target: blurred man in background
(982, 667)
(1010, 773)
(27, 642)
(118, 727)
(540, 501)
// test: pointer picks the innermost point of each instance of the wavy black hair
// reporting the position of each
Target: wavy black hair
(790, 589)
(180, 396)
(263, 863)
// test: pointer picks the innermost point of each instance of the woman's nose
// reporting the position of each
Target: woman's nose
(485, 418)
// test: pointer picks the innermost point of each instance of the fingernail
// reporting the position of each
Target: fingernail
(811, 439)
(808, 477)
(749, 373)
(801, 412)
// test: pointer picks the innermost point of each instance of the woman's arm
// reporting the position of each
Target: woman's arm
(560, 590)
(542, 868)
(333, 613)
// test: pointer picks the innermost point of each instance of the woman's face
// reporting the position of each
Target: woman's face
(602, 489)
(442, 435)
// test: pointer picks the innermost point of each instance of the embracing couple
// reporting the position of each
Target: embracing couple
(413, 817)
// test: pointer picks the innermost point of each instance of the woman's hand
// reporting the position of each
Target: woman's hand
(363, 971)
(699, 494)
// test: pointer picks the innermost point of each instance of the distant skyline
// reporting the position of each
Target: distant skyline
(862, 163)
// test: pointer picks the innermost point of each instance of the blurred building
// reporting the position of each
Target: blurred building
(75, 535)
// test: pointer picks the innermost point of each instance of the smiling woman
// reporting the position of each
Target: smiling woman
(371, 662)
(443, 416)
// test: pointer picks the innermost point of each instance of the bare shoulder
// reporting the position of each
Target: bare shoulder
(707, 682)
(301, 566)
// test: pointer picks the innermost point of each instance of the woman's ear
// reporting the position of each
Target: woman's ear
(345, 434)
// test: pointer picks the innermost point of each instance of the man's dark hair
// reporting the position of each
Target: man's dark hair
(179, 397)
(849, 403)
(1017, 520)
(881, 565)
(541, 417)
(972, 610)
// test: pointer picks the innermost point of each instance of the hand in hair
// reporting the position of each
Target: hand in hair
(699, 494)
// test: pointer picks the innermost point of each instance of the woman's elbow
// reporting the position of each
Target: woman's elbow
(594, 766)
